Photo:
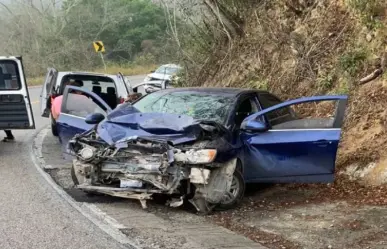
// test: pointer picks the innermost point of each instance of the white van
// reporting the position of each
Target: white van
(15, 104)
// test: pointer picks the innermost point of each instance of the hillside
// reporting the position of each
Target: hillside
(307, 47)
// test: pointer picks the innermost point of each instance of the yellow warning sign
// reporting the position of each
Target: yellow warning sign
(98, 46)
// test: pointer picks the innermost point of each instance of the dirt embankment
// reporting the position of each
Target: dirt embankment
(300, 48)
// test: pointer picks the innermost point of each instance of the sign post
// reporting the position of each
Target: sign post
(100, 48)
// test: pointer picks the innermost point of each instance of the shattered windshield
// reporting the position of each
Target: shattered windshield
(199, 105)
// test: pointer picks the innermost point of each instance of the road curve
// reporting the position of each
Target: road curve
(32, 214)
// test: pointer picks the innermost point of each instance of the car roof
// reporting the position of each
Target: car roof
(88, 73)
(214, 90)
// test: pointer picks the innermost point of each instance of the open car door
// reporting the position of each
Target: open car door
(77, 103)
(47, 91)
(126, 83)
(15, 104)
(279, 146)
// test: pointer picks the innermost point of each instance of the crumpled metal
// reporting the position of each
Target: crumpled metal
(127, 121)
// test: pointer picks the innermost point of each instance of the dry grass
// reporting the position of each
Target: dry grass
(127, 70)
(111, 69)
(36, 81)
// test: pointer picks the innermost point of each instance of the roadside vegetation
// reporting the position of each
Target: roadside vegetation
(60, 34)
(297, 48)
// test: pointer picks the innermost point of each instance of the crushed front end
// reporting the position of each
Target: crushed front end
(139, 167)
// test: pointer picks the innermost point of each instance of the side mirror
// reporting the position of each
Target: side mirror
(254, 125)
(94, 118)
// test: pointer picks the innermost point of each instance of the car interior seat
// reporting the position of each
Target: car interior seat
(111, 97)
(97, 90)
(243, 111)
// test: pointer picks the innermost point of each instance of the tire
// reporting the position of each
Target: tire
(236, 194)
(54, 129)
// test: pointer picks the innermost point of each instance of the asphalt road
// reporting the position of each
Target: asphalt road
(32, 214)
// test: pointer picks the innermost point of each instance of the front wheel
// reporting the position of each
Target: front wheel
(235, 194)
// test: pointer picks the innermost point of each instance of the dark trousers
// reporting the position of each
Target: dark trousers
(8, 133)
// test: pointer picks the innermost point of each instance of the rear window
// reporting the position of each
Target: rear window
(9, 76)
(93, 83)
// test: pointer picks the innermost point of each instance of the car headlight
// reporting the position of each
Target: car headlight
(196, 156)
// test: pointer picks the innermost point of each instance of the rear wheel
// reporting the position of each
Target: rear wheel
(235, 194)
(54, 128)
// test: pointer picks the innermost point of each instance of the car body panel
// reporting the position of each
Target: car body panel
(15, 104)
(126, 121)
(295, 155)
(69, 125)
(276, 155)
(154, 76)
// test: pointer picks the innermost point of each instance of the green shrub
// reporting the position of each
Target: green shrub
(369, 11)
(326, 81)
(351, 61)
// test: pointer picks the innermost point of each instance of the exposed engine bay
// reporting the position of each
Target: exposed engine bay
(139, 167)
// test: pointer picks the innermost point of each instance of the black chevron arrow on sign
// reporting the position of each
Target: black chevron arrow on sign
(100, 46)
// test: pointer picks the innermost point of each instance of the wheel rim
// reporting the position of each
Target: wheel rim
(232, 194)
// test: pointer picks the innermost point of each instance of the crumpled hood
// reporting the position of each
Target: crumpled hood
(126, 121)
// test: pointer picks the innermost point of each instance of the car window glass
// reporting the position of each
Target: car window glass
(311, 115)
(92, 83)
(199, 105)
(80, 105)
(104, 87)
(9, 75)
(277, 116)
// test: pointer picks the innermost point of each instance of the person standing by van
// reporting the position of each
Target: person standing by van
(9, 136)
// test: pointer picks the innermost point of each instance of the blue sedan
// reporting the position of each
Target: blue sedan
(199, 144)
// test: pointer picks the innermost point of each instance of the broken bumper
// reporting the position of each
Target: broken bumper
(139, 170)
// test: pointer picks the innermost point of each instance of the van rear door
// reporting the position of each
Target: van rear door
(15, 105)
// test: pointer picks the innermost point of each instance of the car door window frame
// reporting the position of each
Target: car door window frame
(241, 99)
(17, 75)
(266, 118)
(338, 119)
(95, 98)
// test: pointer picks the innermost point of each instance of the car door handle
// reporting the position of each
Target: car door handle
(322, 142)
